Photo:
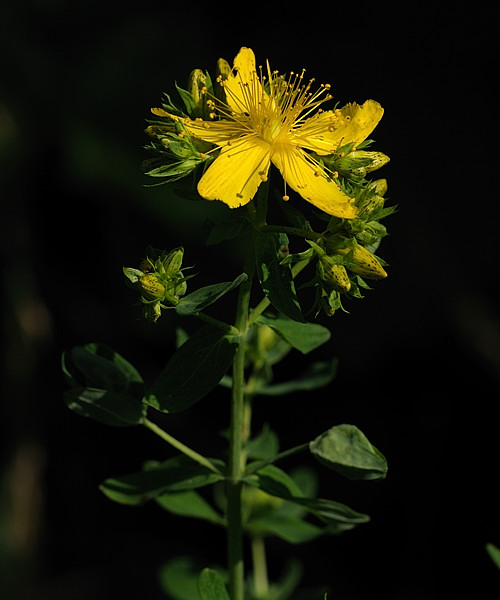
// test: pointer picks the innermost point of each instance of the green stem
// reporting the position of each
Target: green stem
(260, 577)
(236, 462)
(229, 329)
(180, 446)
(259, 465)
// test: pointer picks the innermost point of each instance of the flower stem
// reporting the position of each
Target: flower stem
(236, 461)
(260, 578)
(180, 446)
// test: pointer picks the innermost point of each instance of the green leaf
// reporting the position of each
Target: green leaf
(107, 407)
(99, 366)
(215, 233)
(190, 504)
(291, 529)
(174, 475)
(211, 586)
(336, 516)
(179, 578)
(305, 337)
(193, 370)
(315, 376)
(200, 299)
(346, 450)
(494, 554)
(276, 279)
(264, 445)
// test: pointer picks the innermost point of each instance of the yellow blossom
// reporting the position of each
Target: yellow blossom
(268, 118)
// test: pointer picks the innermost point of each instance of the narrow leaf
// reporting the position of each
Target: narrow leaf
(346, 450)
(176, 474)
(211, 586)
(336, 516)
(193, 371)
(107, 407)
(276, 279)
(305, 337)
(200, 299)
(179, 578)
(494, 553)
(315, 376)
(291, 529)
(190, 504)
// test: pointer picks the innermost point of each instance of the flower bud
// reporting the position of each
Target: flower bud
(152, 287)
(368, 205)
(376, 160)
(363, 262)
(171, 264)
(334, 274)
(379, 186)
(197, 84)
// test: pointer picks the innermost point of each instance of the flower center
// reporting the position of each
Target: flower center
(272, 107)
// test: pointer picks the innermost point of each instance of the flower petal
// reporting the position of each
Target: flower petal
(243, 86)
(214, 132)
(237, 172)
(328, 130)
(303, 176)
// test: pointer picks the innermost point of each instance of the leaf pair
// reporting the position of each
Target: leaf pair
(104, 386)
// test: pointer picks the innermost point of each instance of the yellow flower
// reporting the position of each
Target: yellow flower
(271, 119)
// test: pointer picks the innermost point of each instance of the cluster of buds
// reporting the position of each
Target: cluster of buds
(176, 153)
(343, 265)
(159, 280)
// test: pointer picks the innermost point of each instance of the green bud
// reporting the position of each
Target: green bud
(171, 264)
(197, 85)
(152, 287)
(379, 186)
(376, 160)
(223, 68)
(368, 205)
(363, 262)
(371, 234)
(333, 273)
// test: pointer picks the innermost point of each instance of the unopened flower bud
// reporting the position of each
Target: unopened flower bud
(334, 273)
(376, 160)
(379, 186)
(363, 262)
(171, 264)
(152, 287)
(370, 204)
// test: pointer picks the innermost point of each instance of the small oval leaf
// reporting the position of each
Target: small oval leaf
(346, 450)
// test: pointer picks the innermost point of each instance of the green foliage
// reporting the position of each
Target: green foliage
(212, 586)
(494, 553)
(193, 370)
(205, 296)
(104, 386)
(346, 450)
(305, 337)
(275, 278)
(173, 475)
(270, 323)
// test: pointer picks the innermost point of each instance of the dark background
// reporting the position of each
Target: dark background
(419, 356)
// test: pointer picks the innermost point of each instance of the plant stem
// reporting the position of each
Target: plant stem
(260, 578)
(236, 462)
(180, 446)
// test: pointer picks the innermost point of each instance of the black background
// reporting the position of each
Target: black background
(419, 356)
